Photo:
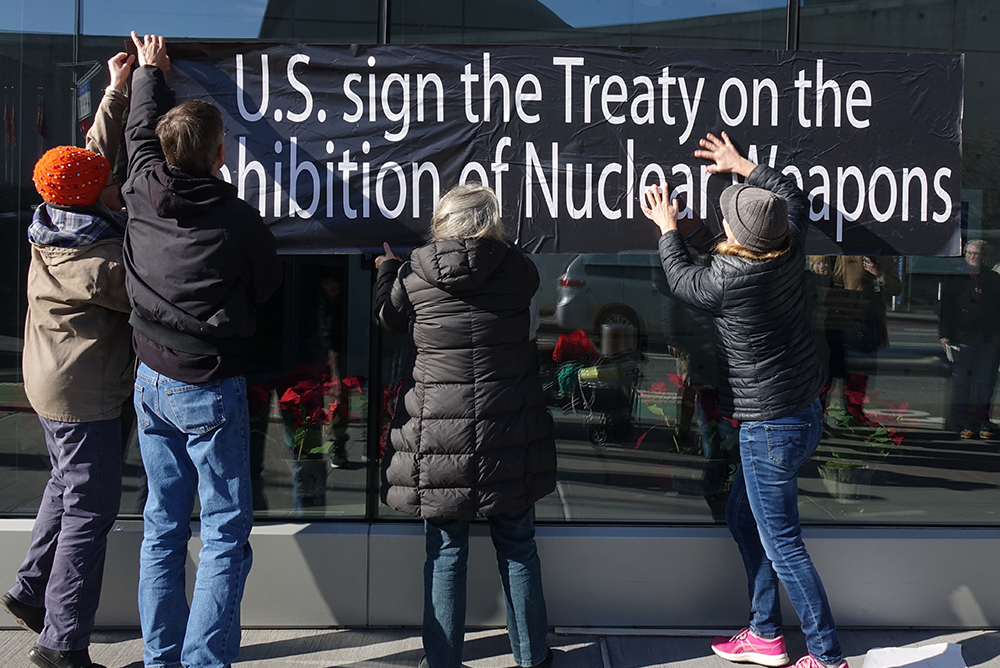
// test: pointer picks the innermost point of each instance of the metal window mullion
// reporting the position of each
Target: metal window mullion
(792, 26)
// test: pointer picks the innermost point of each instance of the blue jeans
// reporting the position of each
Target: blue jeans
(763, 516)
(64, 567)
(513, 536)
(193, 438)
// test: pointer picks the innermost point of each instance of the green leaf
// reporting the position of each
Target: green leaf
(321, 449)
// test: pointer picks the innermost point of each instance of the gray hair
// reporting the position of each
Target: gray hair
(468, 211)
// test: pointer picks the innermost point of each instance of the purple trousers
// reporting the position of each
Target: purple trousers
(64, 567)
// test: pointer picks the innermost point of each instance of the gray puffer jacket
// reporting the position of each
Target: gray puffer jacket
(471, 436)
(768, 365)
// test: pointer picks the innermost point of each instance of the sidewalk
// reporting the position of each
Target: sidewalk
(400, 648)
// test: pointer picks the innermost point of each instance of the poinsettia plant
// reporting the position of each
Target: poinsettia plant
(310, 399)
(878, 436)
(654, 398)
(388, 406)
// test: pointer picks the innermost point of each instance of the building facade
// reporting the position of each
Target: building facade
(902, 513)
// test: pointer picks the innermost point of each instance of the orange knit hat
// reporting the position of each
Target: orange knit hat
(71, 176)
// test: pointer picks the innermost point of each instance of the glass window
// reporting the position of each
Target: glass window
(182, 18)
(308, 393)
(309, 337)
(731, 24)
(54, 17)
(933, 408)
(910, 430)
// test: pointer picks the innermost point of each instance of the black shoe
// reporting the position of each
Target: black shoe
(30, 617)
(546, 662)
(53, 658)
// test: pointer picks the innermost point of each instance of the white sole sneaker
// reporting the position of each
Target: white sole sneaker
(770, 660)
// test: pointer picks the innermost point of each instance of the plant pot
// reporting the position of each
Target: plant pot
(849, 484)
(308, 483)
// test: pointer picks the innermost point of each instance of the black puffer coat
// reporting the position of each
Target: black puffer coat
(471, 436)
(768, 365)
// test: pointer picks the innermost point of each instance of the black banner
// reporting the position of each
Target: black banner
(342, 148)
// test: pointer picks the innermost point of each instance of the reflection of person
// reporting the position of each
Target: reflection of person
(861, 327)
(471, 437)
(77, 366)
(198, 261)
(770, 379)
(970, 322)
(328, 332)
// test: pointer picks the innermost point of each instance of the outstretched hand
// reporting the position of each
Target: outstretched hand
(725, 156)
(388, 255)
(152, 50)
(660, 209)
(118, 68)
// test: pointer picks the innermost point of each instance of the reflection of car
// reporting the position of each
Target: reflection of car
(616, 289)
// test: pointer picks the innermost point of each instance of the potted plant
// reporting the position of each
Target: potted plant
(699, 468)
(847, 476)
(312, 414)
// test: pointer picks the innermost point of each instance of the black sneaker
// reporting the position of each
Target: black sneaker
(29, 617)
(338, 455)
(53, 658)
(546, 662)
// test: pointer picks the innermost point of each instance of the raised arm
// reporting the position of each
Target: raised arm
(727, 159)
(391, 303)
(151, 98)
(105, 135)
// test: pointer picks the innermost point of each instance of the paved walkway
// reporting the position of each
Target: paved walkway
(400, 648)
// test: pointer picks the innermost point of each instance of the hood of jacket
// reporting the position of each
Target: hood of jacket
(74, 227)
(458, 265)
(176, 194)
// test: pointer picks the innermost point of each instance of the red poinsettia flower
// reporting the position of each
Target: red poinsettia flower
(352, 381)
(676, 379)
(856, 397)
(659, 387)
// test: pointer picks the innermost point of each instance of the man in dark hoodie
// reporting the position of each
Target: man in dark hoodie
(198, 260)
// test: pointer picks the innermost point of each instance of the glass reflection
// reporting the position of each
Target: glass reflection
(308, 402)
(228, 19)
(726, 23)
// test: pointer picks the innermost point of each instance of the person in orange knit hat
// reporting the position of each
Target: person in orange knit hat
(77, 366)
(71, 176)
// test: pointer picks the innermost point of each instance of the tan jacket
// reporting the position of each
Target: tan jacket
(77, 360)
(849, 273)
(105, 135)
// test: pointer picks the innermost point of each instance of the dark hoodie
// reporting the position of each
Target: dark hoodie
(471, 436)
(198, 258)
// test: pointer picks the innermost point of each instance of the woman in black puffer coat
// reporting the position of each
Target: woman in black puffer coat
(471, 437)
(770, 378)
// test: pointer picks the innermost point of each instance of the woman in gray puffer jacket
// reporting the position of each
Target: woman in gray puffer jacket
(471, 437)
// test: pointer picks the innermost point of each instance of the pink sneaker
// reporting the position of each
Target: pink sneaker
(810, 661)
(745, 647)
